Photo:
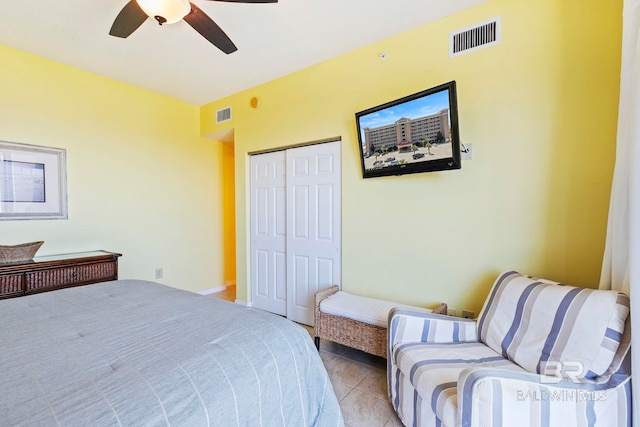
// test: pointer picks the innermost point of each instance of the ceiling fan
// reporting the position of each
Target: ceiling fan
(134, 13)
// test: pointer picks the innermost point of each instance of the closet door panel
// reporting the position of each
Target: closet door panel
(268, 233)
(295, 228)
(313, 233)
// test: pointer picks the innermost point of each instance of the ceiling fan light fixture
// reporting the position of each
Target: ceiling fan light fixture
(169, 11)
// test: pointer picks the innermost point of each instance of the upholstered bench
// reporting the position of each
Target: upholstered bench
(356, 321)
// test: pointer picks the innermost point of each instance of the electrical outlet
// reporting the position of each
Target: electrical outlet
(452, 311)
(467, 314)
(159, 273)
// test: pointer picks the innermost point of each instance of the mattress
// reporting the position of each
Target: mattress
(132, 352)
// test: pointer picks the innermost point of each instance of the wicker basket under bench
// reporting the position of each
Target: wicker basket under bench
(352, 333)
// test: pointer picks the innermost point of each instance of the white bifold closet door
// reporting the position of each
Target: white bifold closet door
(295, 228)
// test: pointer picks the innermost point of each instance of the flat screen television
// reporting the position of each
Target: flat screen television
(417, 133)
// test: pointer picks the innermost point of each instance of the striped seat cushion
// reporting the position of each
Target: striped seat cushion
(553, 329)
(433, 370)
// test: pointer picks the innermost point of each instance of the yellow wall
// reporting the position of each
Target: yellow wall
(141, 180)
(540, 110)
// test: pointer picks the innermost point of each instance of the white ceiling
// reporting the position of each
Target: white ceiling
(273, 40)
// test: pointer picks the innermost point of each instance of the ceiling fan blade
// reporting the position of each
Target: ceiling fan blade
(208, 29)
(128, 20)
(248, 1)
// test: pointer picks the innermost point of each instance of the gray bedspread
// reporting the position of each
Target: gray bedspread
(135, 353)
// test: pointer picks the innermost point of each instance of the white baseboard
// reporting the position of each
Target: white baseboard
(212, 290)
(244, 303)
(217, 288)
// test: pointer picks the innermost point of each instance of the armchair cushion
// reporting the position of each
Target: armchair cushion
(433, 371)
(544, 327)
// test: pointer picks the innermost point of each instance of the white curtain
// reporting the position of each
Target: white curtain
(621, 264)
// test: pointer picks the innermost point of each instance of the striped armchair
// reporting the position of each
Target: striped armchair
(539, 354)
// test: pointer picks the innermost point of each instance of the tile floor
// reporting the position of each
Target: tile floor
(358, 378)
(360, 382)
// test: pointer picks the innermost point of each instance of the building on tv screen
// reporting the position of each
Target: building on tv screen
(405, 132)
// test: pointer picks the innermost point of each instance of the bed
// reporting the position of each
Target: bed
(130, 352)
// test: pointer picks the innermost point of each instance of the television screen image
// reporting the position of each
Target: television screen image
(417, 133)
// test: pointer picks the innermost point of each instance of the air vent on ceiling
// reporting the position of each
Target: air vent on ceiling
(223, 115)
(475, 37)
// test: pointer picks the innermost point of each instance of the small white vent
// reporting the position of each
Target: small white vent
(476, 37)
(223, 115)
